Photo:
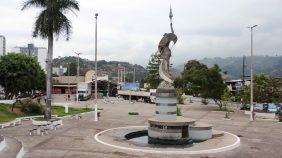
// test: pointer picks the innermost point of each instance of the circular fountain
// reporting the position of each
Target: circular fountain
(168, 133)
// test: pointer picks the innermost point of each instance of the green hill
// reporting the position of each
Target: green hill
(104, 67)
(270, 65)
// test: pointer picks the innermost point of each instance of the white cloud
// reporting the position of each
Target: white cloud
(130, 30)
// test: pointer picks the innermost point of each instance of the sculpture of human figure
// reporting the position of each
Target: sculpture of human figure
(165, 52)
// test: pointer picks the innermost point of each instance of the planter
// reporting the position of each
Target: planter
(53, 121)
(39, 122)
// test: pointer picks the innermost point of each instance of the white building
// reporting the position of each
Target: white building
(59, 70)
(40, 53)
(2, 45)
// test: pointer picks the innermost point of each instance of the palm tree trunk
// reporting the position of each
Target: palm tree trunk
(49, 77)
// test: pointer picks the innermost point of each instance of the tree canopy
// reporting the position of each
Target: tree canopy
(201, 80)
(266, 90)
(152, 76)
(20, 74)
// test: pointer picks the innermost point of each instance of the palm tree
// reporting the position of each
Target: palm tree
(51, 21)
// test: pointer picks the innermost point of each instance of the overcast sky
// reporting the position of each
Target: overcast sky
(129, 30)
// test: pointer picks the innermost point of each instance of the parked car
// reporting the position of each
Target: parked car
(272, 108)
(245, 107)
(258, 106)
(279, 106)
(265, 107)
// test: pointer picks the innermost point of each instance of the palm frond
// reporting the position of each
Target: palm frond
(52, 19)
(33, 3)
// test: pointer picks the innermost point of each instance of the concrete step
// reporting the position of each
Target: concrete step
(12, 148)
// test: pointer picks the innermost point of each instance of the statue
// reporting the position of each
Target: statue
(165, 53)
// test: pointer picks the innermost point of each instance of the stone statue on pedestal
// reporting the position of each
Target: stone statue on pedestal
(165, 54)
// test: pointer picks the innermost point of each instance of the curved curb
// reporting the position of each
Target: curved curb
(21, 152)
(208, 151)
(2, 143)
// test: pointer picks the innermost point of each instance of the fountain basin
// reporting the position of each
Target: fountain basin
(115, 138)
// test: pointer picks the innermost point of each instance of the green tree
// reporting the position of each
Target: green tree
(226, 100)
(244, 95)
(203, 81)
(72, 69)
(213, 85)
(20, 74)
(51, 21)
(152, 76)
(194, 64)
(266, 89)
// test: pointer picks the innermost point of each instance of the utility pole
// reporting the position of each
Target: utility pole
(121, 75)
(96, 106)
(118, 74)
(77, 77)
(252, 75)
(243, 70)
(133, 74)
(124, 75)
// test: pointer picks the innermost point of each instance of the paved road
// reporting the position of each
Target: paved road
(261, 138)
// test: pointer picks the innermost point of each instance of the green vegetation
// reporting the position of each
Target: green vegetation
(266, 90)
(133, 113)
(178, 111)
(180, 98)
(223, 109)
(51, 21)
(7, 115)
(202, 81)
(20, 73)
(60, 110)
(109, 67)
(152, 76)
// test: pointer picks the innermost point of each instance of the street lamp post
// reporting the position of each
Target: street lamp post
(96, 106)
(252, 75)
(77, 77)
(69, 81)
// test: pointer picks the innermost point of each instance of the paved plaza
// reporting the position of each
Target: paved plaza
(261, 138)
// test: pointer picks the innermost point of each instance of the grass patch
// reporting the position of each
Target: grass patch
(60, 111)
(7, 115)
(133, 113)
(223, 109)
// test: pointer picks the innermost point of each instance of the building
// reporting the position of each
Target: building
(59, 70)
(40, 53)
(2, 45)
(68, 84)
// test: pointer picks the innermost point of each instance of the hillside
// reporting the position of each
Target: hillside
(270, 65)
(104, 67)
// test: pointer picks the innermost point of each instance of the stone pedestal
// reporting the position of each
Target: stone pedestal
(165, 102)
(167, 128)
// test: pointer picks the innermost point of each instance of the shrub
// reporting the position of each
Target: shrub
(178, 111)
(133, 113)
(180, 99)
(31, 107)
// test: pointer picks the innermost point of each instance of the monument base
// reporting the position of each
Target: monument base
(174, 132)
